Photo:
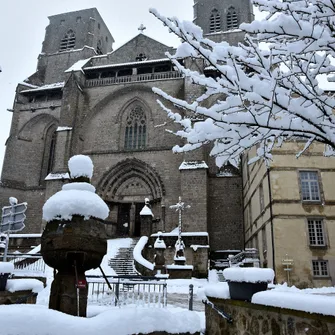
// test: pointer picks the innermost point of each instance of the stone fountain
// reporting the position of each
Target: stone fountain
(74, 238)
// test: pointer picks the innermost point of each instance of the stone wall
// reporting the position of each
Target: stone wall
(254, 319)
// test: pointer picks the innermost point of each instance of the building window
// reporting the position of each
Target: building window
(320, 269)
(316, 233)
(51, 153)
(136, 130)
(68, 42)
(99, 48)
(215, 21)
(232, 20)
(310, 189)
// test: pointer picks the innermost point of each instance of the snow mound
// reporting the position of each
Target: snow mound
(80, 166)
(248, 275)
(137, 253)
(6, 267)
(71, 201)
(14, 285)
(309, 303)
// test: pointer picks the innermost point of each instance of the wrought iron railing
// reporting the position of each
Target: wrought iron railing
(127, 290)
(27, 262)
(132, 78)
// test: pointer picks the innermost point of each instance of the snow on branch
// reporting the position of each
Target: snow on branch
(266, 90)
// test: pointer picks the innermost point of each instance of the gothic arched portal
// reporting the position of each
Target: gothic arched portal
(124, 187)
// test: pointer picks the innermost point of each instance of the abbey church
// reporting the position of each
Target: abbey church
(86, 98)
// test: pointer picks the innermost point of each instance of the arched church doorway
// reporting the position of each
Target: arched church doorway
(124, 188)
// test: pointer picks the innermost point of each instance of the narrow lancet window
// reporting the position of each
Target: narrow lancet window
(215, 21)
(232, 19)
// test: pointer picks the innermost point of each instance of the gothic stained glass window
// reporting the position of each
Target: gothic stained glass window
(68, 41)
(232, 20)
(215, 21)
(136, 129)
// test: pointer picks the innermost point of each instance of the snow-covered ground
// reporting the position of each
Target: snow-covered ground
(127, 320)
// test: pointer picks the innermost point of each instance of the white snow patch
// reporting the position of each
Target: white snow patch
(39, 320)
(179, 267)
(159, 244)
(14, 285)
(56, 176)
(146, 211)
(6, 267)
(249, 275)
(137, 253)
(66, 203)
(218, 290)
(78, 65)
(302, 302)
(193, 165)
(80, 166)
(64, 128)
(46, 87)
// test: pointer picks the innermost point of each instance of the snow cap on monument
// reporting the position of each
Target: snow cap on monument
(80, 166)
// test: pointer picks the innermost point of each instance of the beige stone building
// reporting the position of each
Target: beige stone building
(296, 229)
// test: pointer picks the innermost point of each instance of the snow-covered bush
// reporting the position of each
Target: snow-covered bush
(76, 198)
(248, 275)
(267, 90)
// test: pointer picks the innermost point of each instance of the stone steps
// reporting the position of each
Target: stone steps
(123, 262)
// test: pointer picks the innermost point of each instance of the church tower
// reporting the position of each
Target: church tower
(218, 18)
(70, 37)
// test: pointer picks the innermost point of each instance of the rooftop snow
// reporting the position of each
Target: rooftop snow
(127, 64)
(46, 87)
(56, 176)
(64, 128)
(78, 65)
(193, 165)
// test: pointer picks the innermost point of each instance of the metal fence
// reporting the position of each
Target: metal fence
(127, 290)
(27, 262)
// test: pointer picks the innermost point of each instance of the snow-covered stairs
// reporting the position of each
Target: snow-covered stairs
(123, 262)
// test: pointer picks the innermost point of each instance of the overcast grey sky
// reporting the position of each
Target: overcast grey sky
(23, 23)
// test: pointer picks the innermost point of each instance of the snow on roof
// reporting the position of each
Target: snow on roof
(126, 64)
(179, 267)
(159, 244)
(80, 166)
(14, 285)
(137, 253)
(56, 176)
(28, 85)
(249, 275)
(64, 128)
(175, 233)
(193, 165)
(146, 211)
(46, 87)
(78, 65)
(25, 235)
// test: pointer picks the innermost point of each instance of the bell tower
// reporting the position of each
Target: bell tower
(219, 18)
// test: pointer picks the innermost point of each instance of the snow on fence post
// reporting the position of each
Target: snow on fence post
(146, 219)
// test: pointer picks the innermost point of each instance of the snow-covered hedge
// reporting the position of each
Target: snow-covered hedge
(249, 275)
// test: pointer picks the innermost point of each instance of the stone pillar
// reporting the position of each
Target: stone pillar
(194, 174)
(159, 256)
(146, 221)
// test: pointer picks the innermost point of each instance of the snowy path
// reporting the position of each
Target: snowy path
(181, 300)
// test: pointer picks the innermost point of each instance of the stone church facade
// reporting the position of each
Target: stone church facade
(86, 98)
